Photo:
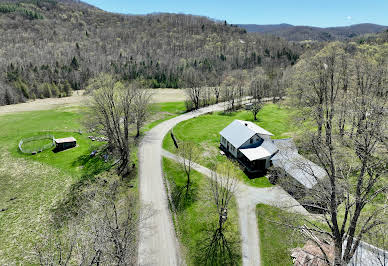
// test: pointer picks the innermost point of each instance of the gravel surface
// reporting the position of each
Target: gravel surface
(158, 242)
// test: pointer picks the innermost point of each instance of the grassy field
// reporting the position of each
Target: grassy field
(33, 187)
(276, 241)
(196, 217)
(204, 130)
(32, 184)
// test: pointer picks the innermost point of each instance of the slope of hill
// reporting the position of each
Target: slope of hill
(301, 33)
(49, 47)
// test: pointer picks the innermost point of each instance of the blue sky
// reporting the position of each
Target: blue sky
(322, 13)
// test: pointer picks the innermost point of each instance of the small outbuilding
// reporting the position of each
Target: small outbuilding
(65, 143)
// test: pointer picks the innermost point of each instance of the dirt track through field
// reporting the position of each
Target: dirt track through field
(78, 99)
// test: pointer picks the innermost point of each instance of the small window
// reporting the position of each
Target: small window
(251, 140)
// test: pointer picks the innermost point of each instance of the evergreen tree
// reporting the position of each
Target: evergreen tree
(74, 63)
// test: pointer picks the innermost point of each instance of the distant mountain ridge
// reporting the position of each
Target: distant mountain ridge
(301, 33)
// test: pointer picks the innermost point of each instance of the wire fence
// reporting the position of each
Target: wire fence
(39, 148)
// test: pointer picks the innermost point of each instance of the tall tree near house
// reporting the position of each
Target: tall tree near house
(111, 115)
(223, 186)
(188, 154)
(352, 155)
(140, 106)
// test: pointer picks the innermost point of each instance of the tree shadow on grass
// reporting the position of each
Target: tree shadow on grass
(79, 193)
(181, 197)
(217, 247)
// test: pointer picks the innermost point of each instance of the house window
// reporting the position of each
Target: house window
(251, 140)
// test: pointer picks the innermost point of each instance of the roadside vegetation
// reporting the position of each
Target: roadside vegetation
(196, 217)
(276, 240)
(204, 131)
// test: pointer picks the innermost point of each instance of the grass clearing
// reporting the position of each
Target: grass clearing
(204, 130)
(32, 184)
(196, 217)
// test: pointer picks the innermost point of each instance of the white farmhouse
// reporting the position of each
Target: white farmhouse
(250, 144)
(254, 149)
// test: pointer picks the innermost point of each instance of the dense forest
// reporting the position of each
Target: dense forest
(302, 33)
(49, 48)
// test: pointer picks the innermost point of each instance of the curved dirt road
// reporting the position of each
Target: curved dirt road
(158, 243)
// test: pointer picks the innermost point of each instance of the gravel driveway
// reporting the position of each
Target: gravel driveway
(158, 242)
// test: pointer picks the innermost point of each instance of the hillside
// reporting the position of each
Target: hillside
(301, 33)
(49, 48)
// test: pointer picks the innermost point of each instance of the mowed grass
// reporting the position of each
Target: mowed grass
(204, 130)
(276, 241)
(196, 218)
(31, 185)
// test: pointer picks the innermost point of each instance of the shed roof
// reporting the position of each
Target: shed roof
(295, 165)
(65, 140)
(238, 132)
(265, 150)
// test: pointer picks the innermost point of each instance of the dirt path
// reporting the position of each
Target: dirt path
(158, 242)
(247, 199)
(78, 99)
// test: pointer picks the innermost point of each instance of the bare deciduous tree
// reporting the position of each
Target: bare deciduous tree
(105, 233)
(140, 106)
(223, 184)
(188, 154)
(352, 156)
(111, 115)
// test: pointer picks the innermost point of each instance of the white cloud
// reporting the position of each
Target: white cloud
(349, 17)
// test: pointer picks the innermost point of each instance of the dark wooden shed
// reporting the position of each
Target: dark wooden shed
(65, 143)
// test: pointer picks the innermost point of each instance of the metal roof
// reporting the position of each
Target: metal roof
(265, 150)
(257, 129)
(65, 140)
(295, 165)
(238, 132)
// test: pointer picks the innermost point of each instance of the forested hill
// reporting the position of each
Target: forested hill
(49, 48)
(301, 33)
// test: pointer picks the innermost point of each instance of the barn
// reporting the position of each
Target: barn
(65, 143)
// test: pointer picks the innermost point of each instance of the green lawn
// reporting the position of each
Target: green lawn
(197, 217)
(204, 130)
(276, 241)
